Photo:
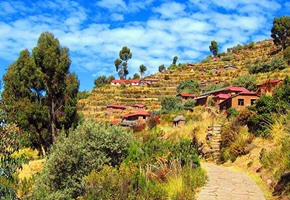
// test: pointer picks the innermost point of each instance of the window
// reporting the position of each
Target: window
(253, 101)
(240, 102)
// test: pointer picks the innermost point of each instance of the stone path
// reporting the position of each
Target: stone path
(226, 184)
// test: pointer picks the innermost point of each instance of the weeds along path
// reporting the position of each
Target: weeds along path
(226, 184)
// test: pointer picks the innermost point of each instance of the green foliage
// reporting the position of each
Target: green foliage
(136, 76)
(9, 164)
(280, 31)
(88, 147)
(275, 65)
(189, 86)
(121, 62)
(232, 112)
(83, 94)
(103, 80)
(142, 69)
(227, 58)
(189, 104)
(278, 163)
(171, 104)
(247, 81)
(40, 93)
(286, 55)
(235, 49)
(212, 86)
(214, 48)
(161, 68)
(207, 59)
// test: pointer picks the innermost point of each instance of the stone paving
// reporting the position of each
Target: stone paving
(226, 184)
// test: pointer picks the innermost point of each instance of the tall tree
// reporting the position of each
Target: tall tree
(175, 58)
(161, 68)
(142, 69)
(40, 93)
(214, 48)
(281, 31)
(121, 63)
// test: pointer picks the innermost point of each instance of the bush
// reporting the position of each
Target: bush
(247, 81)
(275, 65)
(171, 104)
(232, 112)
(88, 147)
(227, 58)
(189, 86)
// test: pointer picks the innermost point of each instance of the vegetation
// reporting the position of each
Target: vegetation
(161, 68)
(189, 86)
(142, 69)
(281, 31)
(103, 80)
(40, 93)
(274, 65)
(89, 147)
(286, 55)
(121, 62)
(247, 81)
(214, 48)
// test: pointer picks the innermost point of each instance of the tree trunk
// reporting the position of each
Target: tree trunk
(52, 130)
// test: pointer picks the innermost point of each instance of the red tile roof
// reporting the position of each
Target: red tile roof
(116, 106)
(139, 105)
(188, 95)
(114, 122)
(138, 113)
(237, 89)
(126, 81)
(223, 96)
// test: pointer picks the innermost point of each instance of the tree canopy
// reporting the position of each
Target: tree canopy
(161, 68)
(281, 31)
(40, 93)
(121, 62)
(214, 48)
(142, 69)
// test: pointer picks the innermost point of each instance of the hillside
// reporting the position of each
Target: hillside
(222, 70)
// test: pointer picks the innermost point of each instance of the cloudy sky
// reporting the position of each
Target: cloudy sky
(154, 30)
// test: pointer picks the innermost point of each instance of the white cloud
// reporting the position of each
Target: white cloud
(170, 10)
(112, 5)
(95, 44)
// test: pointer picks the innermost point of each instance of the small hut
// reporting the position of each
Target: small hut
(179, 121)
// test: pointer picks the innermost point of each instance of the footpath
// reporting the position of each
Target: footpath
(226, 184)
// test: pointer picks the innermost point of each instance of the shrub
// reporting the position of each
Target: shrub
(247, 81)
(286, 55)
(189, 86)
(227, 58)
(88, 147)
(232, 112)
(274, 65)
(171, 104)
(166, 77)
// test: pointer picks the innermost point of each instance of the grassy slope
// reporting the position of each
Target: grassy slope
(94, 107)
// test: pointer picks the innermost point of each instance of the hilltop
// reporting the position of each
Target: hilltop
(224, 69)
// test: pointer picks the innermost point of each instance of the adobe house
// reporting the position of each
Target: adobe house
(239, 101)
(179, 121)
(148, 81)
(139, 106)
(126, 82)
(187, 96)
(134, 118)
(220, 94)
(268, 86)
(220, 97)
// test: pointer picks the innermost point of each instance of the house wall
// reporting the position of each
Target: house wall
(201, 102)
(247, 101)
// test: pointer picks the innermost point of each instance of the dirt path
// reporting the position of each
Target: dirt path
(226, 184)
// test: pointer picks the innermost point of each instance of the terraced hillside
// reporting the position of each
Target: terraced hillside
(224, 69)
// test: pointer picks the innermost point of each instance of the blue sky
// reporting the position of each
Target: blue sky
(155, 31)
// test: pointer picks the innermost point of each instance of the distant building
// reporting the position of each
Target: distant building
(139, 106)
(133, 118)
(187, 96)
(125, 82)
(116, 107)
(179, 121)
